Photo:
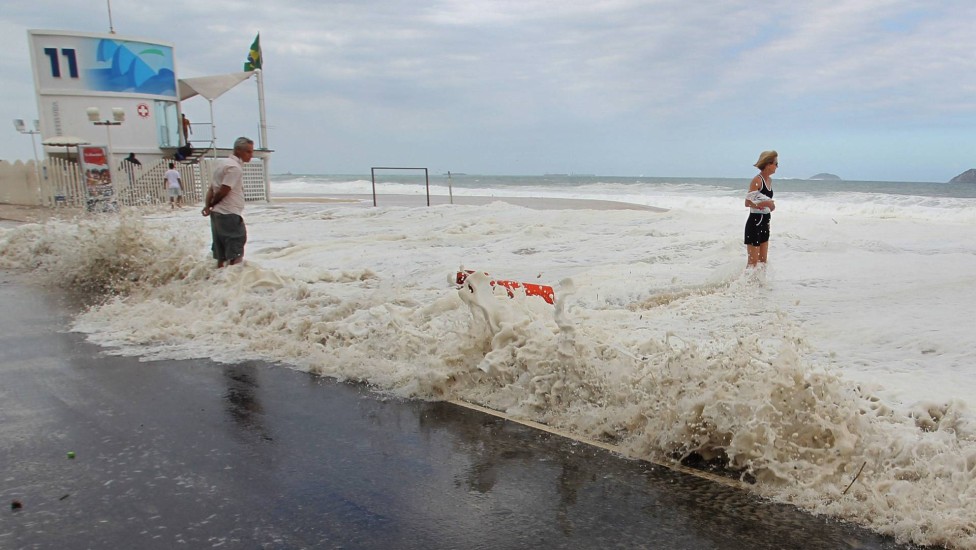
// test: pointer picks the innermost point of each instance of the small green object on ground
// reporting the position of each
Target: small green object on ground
(71, 454)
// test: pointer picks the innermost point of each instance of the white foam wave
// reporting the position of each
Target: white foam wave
(665, 352)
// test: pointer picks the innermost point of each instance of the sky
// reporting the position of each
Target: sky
(864, 89)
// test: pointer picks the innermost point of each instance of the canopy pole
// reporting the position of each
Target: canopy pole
(111, 28)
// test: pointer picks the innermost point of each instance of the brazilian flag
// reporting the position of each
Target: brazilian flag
(254, 56)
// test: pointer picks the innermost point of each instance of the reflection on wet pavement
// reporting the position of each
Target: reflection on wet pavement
(242, 403)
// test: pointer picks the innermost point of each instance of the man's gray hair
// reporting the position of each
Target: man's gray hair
(242, 142)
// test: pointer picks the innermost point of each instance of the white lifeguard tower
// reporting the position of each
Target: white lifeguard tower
(124, 93)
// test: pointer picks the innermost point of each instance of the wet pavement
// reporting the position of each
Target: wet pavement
(195, 454)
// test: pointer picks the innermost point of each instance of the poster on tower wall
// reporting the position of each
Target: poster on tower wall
(98, 177)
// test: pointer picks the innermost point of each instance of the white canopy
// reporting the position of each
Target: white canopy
(211, 87)
(65, 141)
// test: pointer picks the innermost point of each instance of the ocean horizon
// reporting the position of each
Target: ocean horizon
(569, 177)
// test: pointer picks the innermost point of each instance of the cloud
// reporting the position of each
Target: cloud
(604, 77)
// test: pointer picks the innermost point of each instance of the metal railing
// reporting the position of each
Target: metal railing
(63, 184)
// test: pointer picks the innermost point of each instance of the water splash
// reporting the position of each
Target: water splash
(731, 393)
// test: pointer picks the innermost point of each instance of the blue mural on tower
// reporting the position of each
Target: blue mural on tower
(134, 67)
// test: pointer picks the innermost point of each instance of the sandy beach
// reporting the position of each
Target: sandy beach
(40, 214)
(34, 214)
(537, 203)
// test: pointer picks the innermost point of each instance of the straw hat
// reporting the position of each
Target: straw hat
(765, 158)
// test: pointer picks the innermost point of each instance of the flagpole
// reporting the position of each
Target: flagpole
(264, 132)
(261, 114)
(253, 64)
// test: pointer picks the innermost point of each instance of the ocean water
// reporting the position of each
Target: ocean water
(850, 358)
(578, 186)
(919, 200)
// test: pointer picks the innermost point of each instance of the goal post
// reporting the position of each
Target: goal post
(375, 168)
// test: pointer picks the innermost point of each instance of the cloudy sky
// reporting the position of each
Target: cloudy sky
(865, 89)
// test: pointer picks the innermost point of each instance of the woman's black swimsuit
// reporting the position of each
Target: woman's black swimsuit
(757, 226)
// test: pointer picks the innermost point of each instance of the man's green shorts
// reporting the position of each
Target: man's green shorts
(229, 236)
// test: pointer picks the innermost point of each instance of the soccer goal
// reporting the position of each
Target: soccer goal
(426, 178)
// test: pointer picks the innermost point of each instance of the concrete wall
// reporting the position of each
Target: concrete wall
(19, 183)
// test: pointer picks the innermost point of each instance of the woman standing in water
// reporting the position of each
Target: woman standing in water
(759, 200)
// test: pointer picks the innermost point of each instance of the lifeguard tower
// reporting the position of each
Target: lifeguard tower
(123, 93)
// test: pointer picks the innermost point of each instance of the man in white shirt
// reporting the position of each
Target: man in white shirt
(174, 187)
(225, 204)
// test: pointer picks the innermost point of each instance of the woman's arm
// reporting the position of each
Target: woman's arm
(753, 188)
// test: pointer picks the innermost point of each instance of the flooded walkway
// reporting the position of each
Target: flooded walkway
(195, 454)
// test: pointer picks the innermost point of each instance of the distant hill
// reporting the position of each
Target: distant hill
(969, 176)
(825, 176)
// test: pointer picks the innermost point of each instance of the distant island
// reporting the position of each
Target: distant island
(969, 176)
(825, 176)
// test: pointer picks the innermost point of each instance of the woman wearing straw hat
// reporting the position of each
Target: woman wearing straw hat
(759, 200)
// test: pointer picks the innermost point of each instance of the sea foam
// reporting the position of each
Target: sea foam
(676, 367)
